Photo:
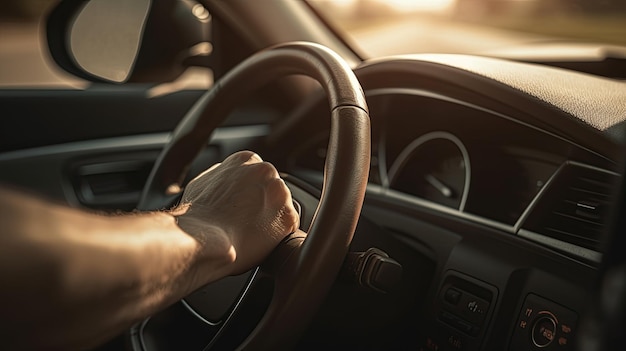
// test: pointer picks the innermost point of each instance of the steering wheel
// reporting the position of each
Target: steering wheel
(302, 279)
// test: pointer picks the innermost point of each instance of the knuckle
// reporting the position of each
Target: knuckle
(278, 193)
(240, 156)
(266, 169)
(278, 185)
(291, 212)
(291, 218)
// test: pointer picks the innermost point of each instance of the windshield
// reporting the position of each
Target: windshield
(390, 27)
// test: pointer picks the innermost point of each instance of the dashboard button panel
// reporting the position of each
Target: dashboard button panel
(462, 311)
(543, 325)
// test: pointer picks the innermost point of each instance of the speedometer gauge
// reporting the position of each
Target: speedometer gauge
(434, 167)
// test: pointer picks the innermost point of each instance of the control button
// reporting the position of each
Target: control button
(465, 327)
(455, 342)
(543, 324)
(448, 318)
(528, 312)
(459, 323)
(474, 309)
(566, 329)
(544, 331)
(452, 296)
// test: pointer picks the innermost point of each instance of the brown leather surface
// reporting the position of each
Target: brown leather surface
(304, 279)
(337, 79)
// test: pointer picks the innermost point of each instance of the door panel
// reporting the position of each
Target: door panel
(108, 174)
(33, 118)
(95, 147)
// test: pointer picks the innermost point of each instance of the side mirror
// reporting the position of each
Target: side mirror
(118, 41)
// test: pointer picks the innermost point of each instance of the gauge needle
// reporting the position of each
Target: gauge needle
(443, 189)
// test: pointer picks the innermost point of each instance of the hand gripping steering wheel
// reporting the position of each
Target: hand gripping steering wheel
(307, 272)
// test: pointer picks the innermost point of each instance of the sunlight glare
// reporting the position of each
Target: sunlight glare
(344, 3)
(402, 5)
(419, 5)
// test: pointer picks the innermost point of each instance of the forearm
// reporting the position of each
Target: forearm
(101, 273)
(70, 279)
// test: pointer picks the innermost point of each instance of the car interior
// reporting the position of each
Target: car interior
(453, 201)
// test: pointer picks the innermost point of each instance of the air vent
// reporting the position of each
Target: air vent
(576, 207)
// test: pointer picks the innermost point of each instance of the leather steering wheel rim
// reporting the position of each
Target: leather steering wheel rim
(304, 280)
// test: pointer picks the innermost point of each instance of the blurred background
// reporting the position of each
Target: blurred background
(374, 27)
(383, 27)
(23, 60)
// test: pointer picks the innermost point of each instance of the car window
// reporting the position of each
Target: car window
(25, 62)
(389, 27)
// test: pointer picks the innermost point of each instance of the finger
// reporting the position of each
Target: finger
(212, 167)
(205, 172)
(242, 157)
(262, 171)
(278, 194)
(254, 158)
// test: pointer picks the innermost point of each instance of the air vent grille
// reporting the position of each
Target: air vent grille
(576, 207)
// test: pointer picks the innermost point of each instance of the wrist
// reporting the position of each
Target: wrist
(216, 253)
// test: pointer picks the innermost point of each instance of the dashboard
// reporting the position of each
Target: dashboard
(504, 193)
(481, 165)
